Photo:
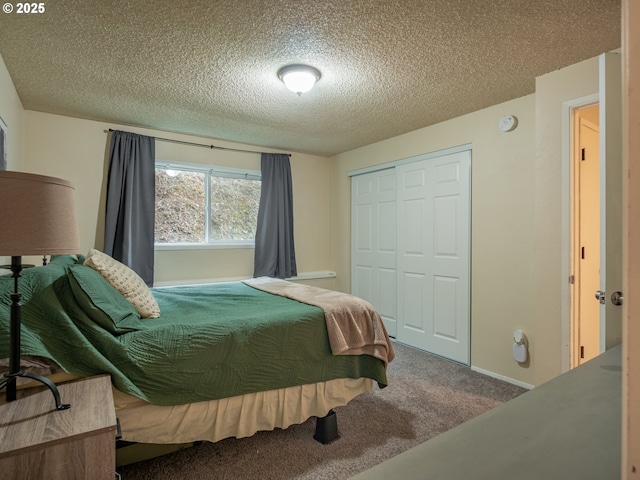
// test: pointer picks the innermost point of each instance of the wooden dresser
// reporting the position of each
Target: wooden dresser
(39, 442)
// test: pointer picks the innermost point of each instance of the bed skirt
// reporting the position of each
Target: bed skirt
(239, 416)
(213, 420)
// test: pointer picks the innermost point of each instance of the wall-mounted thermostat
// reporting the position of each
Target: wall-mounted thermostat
(508, 123)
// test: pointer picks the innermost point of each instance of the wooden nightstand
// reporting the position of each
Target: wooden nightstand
(39, 442)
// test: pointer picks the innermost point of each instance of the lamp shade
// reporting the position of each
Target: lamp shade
(37, 214)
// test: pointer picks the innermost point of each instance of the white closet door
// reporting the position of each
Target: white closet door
(433, 308)
(373, 242)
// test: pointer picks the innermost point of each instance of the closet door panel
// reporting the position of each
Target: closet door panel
(414, 318)
(433, 245)
(387, 294)
(411, 251)
(374, 242)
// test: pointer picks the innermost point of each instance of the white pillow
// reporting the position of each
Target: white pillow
(126, 281)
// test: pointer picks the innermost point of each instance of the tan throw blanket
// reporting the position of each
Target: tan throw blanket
(354, 326)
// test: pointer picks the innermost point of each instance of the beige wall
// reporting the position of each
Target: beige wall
(12, 113)
(502, 229)
(77, 150)
(519, 262)
(551, 253)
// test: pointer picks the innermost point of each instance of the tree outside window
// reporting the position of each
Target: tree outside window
(198, 206)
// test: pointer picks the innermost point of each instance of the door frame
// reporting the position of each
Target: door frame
(631, 279)
(576, 199)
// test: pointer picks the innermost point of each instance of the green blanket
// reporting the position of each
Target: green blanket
(211, 341)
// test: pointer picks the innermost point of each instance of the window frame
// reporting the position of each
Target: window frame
(208, 171)
(3, 145)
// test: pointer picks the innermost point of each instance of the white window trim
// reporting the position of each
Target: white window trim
(3, 147)
(205, 246)
(213, 169)
(219, 172)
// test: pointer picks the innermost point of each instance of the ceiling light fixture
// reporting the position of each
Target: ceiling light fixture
(299, 78)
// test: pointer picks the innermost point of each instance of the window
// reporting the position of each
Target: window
(199, 206)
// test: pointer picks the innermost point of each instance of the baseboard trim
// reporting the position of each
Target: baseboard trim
(502, 377)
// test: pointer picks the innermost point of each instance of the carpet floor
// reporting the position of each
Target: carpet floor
(426, 396)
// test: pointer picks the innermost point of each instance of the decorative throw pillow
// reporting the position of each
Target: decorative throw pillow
(126, 281)
(101, 302)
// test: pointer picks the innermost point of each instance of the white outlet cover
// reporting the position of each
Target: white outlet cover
(520, 353)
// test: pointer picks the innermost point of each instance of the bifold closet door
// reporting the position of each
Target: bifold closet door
(433, 260)
(373, 242)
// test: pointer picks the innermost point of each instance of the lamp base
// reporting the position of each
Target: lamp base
(11, 395)
(14, 345)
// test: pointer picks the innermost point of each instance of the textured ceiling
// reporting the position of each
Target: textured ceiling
(209, 68)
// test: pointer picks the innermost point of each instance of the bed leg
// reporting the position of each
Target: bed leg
(327, 428)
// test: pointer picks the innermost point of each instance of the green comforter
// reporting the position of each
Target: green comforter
(211, 341)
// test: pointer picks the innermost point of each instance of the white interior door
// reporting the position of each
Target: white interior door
(434, 255)
(373, 242)
(611, 200)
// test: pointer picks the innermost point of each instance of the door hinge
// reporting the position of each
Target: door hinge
(581, 352)
(582, 252)
(572, 279)
(583, 155)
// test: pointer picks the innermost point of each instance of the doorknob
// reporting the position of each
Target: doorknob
(600, 296)
(617, 298)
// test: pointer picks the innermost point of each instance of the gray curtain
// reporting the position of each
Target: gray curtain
(130, 211)
(275, 254)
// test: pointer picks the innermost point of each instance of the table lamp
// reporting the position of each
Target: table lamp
(38, 215)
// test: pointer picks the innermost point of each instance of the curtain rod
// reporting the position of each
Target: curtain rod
(206, 146)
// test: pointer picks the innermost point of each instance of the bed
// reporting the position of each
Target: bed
(220, 360)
